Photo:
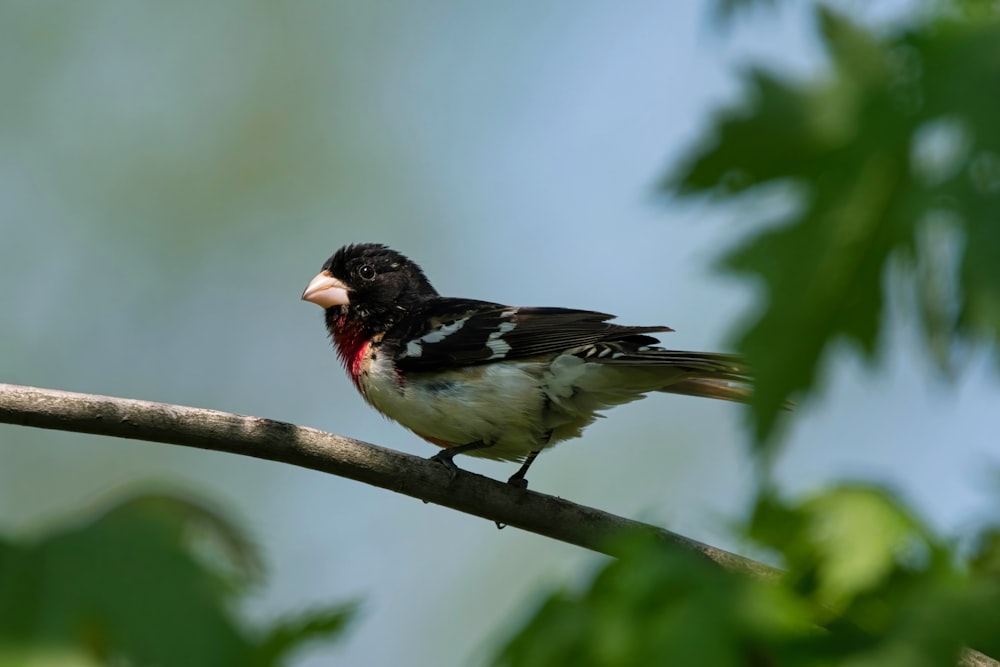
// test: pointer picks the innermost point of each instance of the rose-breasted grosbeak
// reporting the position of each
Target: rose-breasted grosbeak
(485, 379)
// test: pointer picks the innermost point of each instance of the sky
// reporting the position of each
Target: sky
(172, 175)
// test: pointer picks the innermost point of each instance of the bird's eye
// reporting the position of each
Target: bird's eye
(366, 272)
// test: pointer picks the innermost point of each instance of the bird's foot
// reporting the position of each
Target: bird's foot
(446, 458)
(518, 482)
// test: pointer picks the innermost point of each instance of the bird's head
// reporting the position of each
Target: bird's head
(368, 279)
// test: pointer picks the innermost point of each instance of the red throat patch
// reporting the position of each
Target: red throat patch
(352, 346)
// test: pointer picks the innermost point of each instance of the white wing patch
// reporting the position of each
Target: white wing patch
(495, 341)
(415, 348)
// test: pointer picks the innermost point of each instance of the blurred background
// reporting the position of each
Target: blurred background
(172, 175)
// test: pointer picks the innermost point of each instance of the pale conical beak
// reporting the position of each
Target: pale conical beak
(326, 291)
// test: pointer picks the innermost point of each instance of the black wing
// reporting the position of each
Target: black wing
(458, 332)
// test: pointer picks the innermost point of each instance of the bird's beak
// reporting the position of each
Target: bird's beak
(326, 291)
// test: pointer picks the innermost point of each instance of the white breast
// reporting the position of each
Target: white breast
(498, 403)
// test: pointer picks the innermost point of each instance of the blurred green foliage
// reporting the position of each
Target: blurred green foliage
(890, 160)
(891, 154)
(867, 585)
(152, 580)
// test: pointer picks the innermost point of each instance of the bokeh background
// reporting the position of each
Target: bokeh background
(171, 175)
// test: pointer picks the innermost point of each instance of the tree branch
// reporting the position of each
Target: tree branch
(310, 448)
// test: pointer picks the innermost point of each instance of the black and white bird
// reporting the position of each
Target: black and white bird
(489, 380)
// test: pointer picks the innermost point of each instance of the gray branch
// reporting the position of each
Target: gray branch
(337, 455)
(345, 457)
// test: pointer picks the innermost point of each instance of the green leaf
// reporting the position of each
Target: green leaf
(860, 536)
(886, 591)
(188, 522)
(823, 275)
(850, 151)
(654, 606)
(845, 542)
(780, 131)
(867, 584)
(85, 586)
(288, 635)
(960, 60)
(985, 559)
(149, 581)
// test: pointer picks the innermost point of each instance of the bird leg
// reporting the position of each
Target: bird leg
(517, 479)
(445, 456)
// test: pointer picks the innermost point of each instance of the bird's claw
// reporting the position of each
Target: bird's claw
(518, 482)
(445, 459)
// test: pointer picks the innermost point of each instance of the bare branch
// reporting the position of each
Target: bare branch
(310, 448)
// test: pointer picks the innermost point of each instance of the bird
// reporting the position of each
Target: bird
(492, 380)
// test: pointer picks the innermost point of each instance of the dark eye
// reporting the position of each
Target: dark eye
(366, 272)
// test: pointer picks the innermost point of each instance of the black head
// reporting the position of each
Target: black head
(369, 280)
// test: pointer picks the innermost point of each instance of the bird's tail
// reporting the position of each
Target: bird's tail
(726, 377)
(709, 388)
(708, 375)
